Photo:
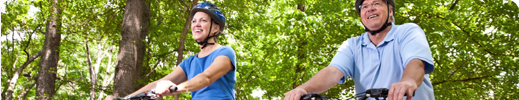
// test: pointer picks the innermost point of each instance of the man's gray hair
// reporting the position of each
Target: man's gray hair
(392, 16)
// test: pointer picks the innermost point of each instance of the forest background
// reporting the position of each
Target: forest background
(87, 49)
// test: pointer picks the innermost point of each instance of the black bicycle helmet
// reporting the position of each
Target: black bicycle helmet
(358, 4)
(214, 12)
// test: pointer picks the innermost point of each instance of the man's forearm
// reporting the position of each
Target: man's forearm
(414, 72)
(323, 80)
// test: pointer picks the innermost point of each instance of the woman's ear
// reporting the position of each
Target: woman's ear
(216, 27)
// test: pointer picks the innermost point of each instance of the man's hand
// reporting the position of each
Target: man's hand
(109, 97)
(411, 79)
(162, 88)
(295, 94)
(397, 90)
(325, 79)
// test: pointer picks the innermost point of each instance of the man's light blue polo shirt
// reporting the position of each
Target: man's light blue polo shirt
(380, 66)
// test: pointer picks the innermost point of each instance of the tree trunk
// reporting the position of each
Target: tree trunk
(50, 56)
(131, 47)
(300, 66)
(301, 53)
(142, 47)
(13, 81)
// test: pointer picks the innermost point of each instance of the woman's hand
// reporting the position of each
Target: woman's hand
(162, 88)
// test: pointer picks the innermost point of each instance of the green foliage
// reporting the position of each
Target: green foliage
(280, 44)
(289, 45)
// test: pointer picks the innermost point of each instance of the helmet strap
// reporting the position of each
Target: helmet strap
(383, 26)
(205, 42)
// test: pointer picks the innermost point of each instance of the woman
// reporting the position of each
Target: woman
(208, 75)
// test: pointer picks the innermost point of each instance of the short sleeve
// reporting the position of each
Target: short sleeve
(229, 52)
(186, 63)
(343, 60)
(415, 45)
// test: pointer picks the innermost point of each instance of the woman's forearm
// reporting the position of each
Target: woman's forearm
(198, 82)
(146, 88)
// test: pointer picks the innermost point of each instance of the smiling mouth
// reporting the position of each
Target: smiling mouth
(198, 30)
(372, 16)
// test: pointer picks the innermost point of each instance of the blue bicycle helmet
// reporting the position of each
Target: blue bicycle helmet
(214, 12)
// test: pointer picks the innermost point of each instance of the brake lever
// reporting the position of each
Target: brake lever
(309, 96)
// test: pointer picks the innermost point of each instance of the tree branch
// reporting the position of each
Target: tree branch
(453, 5)
(437, 61)
(29, 41)
(23, 95)
(301, 7)
(66, 81)
(106, 82)
(185, 4)
(92, 72)
(152, 70)
(473, 40)
(184, 32)
(464, 80)
(13, 81)
(100, 55)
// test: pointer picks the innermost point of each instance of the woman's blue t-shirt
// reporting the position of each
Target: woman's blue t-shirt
(221, 89)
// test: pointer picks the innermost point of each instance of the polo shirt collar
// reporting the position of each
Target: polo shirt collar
(389, 37)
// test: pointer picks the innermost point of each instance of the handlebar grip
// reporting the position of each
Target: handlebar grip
(414, 92)
(308, 96)
(173, 89)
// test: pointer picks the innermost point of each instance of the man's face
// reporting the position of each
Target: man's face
(374, 13)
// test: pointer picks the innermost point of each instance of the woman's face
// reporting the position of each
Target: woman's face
(200, 25)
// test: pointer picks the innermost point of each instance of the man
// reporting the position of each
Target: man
(390, 56)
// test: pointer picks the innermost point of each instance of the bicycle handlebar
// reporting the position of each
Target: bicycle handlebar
(378, 92)
(148, 95)
(373, 93)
